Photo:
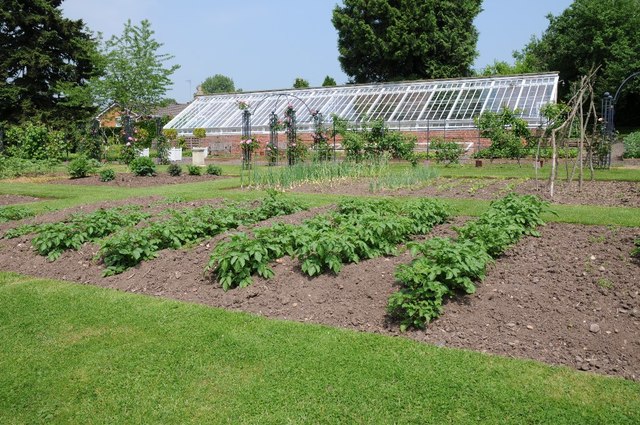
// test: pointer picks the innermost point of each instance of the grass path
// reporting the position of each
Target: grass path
(79, 354)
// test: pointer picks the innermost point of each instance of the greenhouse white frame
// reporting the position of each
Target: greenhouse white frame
(407, 106)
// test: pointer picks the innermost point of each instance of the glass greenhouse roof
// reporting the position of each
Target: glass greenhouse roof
(410, 106)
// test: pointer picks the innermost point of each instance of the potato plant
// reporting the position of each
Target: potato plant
(446, 266)
(53, 239)
(357, 230)
(132, 246)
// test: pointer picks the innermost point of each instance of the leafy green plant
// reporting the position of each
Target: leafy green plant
(81, 167)
(446, 266)
(143, 166)
(194, 170)
(447, 152)
(55, 238)
(508, 132)
(636, 250)
(174, 170)
(199, 133)
(185, 227)
(107, 175)
(359, 229)
(12, 212)
(214, 170)
(632, 145)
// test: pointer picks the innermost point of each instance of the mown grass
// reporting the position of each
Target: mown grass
(527, 170)
(65, 196)
(80, 354)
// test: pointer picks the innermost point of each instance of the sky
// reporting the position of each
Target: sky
(266, 45)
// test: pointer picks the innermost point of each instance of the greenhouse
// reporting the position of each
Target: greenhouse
(407, 106)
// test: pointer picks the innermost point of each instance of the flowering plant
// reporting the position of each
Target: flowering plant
(249, 145)
(242, 105)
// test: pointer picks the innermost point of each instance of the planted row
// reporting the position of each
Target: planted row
(357, 230)
(132, 246)
(53, 239)
(446, 266)
(13, 212)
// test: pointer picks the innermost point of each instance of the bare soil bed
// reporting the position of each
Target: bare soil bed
(129, 180)
(613, 193)
(16, 199)
(571, 297)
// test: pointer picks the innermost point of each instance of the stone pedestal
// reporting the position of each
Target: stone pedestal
(198, 156)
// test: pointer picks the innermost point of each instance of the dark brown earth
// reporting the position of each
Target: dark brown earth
(570, 297)
(613, 193)
(16, 199)
(129, 180)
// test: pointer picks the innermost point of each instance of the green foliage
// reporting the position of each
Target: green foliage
(406, 40)
(55, 238)
(162, 150)
(508, 133)
(503, 68)
(632, 145)
(300, 83)
(45, 61)
(214, 170)
(218, 84)
(82, 166)
(11, 167)
(329, 82)
(593, 33)
(34, 141)
(170, 133)
(314, 172)
(373, 141)
(194, 170)
(14, 212)
(409, 178)
(446, 267)
(107, 175)
(636, 251)
(199, 133)
(239, 259)
(132, 246)
(135, 74)
(143, 166)
(357, 230)
(449, 152)
(174, 170)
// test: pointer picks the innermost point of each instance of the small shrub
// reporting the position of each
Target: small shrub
(107, 175)
(199, 133)
(632, 145)
(214, 170)
(194, 170)
(81, 167)
(143, 166)
(174, 170)
(448, 152)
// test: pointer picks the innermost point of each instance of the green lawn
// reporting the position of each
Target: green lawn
(81, 354)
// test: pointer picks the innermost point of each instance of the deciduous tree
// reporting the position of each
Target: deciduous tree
(218, 84)
(135, 75)
(588, 34)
